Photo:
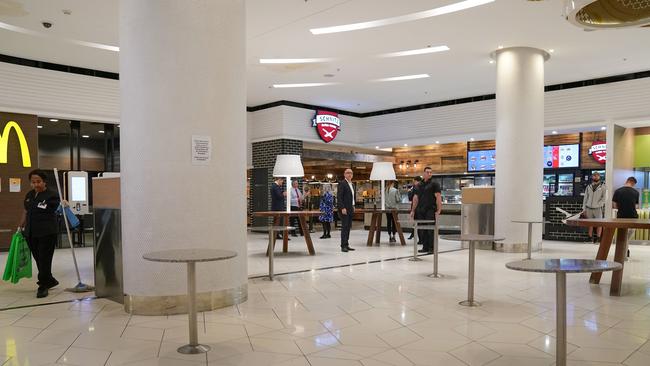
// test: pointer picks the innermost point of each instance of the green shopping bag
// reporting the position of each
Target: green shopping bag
(19, 260)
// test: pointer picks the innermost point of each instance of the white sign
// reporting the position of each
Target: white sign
(14, 185)
(201, 150)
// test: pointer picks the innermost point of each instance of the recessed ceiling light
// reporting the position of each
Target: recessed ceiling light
(437, 142)
(451, 8)
(603, 128)
(85, 136)
(471, 139)
(554, 132)
(551, 50)
(419, 51)
(405, 77)
(500, 47)
(301, 85)
(39, 126)
(100, 131)
(293, 60)
(54, 120)
(376, 147)
(491, 61)
(405, 145)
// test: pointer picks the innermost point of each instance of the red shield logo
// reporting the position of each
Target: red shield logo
(327, 125)
(598, 151)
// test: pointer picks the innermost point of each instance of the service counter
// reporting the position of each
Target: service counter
(450, 216)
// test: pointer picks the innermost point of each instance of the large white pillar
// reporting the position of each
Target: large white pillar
(519, 144)
(182, 73)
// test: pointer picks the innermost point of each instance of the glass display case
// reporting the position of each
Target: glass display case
(483, 181)
(549, 185)
(565, 184)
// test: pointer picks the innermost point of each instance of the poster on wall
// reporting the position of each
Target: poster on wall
(201, 150)
(562, 156)
(14, 185)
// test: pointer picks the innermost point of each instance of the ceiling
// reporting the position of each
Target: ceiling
(280, 29)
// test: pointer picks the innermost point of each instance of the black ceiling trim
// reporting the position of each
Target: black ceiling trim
(301, 105)
(115, 76)
(58, 67)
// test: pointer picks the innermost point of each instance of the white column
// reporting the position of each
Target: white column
(519, 144)
(182, 73)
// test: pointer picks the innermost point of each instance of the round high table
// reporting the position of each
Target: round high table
(561, 267)
(271, 246)
(190, 256)
(473, 239)
(414, 224)
(530, 232)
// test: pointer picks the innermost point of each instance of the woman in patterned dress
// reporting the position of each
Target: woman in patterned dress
(326, 208)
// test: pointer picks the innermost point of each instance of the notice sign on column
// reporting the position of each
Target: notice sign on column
(201, 150)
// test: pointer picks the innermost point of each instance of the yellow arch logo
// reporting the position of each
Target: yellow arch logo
(4, 144)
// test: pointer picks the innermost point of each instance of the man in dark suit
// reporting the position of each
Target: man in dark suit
(345, 205)
(277, 199)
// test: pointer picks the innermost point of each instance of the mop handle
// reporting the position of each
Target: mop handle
(67, 227)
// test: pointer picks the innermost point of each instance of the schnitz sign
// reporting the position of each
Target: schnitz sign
(327, 125)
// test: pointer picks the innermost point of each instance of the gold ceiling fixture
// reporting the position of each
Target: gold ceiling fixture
(602, 14)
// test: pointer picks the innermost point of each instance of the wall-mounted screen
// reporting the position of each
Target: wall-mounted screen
(562, 156)
(481, 160)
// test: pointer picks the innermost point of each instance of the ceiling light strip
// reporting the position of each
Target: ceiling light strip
(405, 77)
(30, 32)
(293, 60)
(451, 8)
(301, 85)
(420, 51)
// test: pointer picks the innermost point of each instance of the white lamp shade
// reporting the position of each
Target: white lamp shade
(382, 171)
(288, 166)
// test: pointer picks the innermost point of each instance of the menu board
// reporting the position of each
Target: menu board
(562, 156)
(481, 160)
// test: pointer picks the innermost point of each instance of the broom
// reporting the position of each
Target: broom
(80, 287)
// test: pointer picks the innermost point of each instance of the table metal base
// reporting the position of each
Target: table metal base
(188, 349)
(436, 275)
(471, 303)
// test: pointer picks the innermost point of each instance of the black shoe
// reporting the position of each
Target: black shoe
(41, 292)
(294, 235)
(52, 284)
(351, 249)
(424, 251)
(323, 236)
(328, 236)
(344, 249)
(410, 237)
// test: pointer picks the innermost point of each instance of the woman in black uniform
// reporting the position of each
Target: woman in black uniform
(40, 228)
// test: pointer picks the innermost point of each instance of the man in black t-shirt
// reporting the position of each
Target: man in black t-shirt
(626, 200)
(427, 205)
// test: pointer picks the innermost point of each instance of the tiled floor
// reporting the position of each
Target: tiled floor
(379, 314)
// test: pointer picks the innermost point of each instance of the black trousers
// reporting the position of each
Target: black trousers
(294, 221)
(346, 225)
(426, 236)
(327, 227)
(390, 224)
(42, 248)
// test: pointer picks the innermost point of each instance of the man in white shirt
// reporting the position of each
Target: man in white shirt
(296, 205)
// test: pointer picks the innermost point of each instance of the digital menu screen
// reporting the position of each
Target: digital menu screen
(562, 156)
(481, 160)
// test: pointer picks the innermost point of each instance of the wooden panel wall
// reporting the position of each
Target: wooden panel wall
(11, 204)
(442, 158)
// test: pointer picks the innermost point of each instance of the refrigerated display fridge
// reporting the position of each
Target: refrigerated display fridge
(549, 185)
(565, 184)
